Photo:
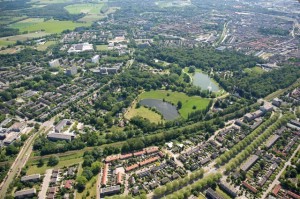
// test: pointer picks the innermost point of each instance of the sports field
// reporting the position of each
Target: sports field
(50, 26)
(173, 97)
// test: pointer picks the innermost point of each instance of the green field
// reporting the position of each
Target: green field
(143, 112)
(50, 26)
(5, 43)
(173, 97)
(63, 162)
(254, 70)
(45, 46)
(87, 8)
(101, 47)
(91, 187)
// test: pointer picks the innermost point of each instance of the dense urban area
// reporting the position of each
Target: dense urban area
(176, 99)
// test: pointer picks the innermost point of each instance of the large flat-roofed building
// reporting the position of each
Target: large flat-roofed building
(60, 136)
(31, 178)
(110, 190)
(59, 127)
(250, 161)
(76, 48)
(25, 193)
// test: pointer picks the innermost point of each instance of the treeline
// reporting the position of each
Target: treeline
(178, 184)
(4, 31)
(260, 85)
(244, 154)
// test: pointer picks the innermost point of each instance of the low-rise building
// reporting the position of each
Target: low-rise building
(31, 178)
(110, 191)
(25, 193)
(54, 63)
(61, 136)
(211, 194)
(95, 59)
(250, 161)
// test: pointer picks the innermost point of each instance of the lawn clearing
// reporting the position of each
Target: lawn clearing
(5, 43)
(143, 112)
(173, 97)
(49, 26)
(255, 70)
(63, 162)
(87, 8)
(101, 47)
(44, 46)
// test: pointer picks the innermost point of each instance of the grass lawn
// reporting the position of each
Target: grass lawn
(5, 43)
(222, 193)
(173, 97)
(201, 196)
(90, 186)
(143, 112)
(45, 46)
(50, 26)
(63, 162)
(101, 47)
(87, 8)
(254, 70)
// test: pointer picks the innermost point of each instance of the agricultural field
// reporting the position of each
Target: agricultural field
(143, 112)
(5, 41)
(173, 97)
(87, 8)
(50, 26)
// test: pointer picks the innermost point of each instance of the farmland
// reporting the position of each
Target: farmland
(50, 26)
(87, 8)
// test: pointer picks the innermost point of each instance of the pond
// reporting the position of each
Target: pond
(168, 111)
(203, 80)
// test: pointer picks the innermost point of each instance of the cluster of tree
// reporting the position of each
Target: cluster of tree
(203, 58)
(196, 187)
(260, 85)
(91, 167)
(246, 141)
(45, 146)
(238, 159)
(55, 11)
(4, 31)
(273, 31)
(291, 173)
(178, 184)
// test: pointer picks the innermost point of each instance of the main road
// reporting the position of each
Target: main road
(22, 158)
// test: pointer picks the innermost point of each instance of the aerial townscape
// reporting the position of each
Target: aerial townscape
(170, 99)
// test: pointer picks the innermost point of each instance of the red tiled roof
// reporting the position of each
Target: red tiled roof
(293, 195)
(119, 178)
(134, 166)
(104, 174)
(125, 156)
(152, 149)
(112, 158)
(253, 189)
(276, 189)
(148, 161)
(139, 153)
(68, 184)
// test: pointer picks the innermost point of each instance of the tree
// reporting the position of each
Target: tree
(87, 173)
(53, 160)
(179, 104)
(80, 182)
(40, 163)
(192, 69)
(96, 167)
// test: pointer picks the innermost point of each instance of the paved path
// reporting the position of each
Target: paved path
(276, 181)
(45, 185)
